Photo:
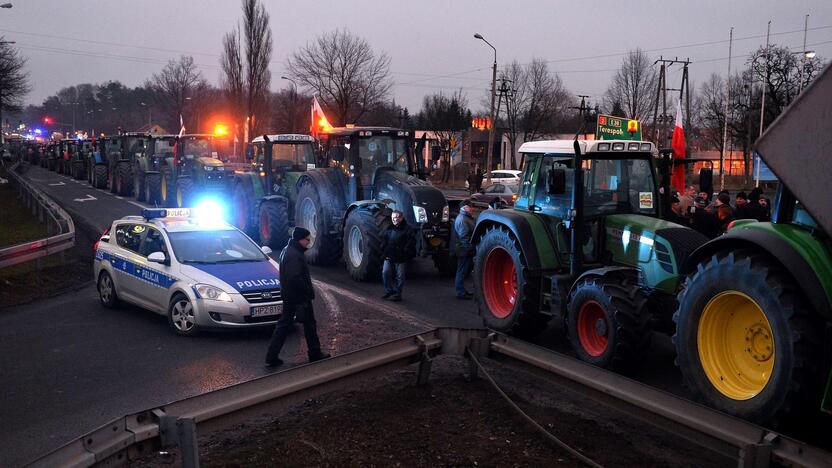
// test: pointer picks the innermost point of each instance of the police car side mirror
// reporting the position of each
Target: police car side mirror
(157, 257)
(266, 250)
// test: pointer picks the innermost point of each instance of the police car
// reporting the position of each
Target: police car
(190, 266)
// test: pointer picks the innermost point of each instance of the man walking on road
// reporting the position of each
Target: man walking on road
(297, 291)
(398, 245)
(463, 229)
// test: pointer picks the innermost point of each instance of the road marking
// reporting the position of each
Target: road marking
(135, 203)
(119, 197)
(59, 183)
(335, 309)
(89, 198)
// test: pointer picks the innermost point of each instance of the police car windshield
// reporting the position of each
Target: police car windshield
(222, 246)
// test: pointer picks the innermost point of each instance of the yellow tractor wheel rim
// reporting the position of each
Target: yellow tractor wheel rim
(736, 345)
(164, 189)
(179, 197)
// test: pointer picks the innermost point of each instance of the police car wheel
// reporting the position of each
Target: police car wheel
(181, 316)
(107, 290)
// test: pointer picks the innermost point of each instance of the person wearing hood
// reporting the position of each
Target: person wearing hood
(399, 245)
(297, 292)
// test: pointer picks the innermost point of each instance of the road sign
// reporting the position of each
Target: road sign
(611, 127)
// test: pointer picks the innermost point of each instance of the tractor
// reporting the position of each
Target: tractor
(346, 206)
(79, 159)
(191, 170)
(97, 162)
(147, 178)
(754, 324)
(265, 195)
(120, 160)
(584, 244)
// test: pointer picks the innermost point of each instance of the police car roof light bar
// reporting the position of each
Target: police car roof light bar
(152, 213)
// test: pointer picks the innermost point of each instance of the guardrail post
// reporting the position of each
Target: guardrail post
(757, 455)
(477, 347)
(425, 363)
(188, 446)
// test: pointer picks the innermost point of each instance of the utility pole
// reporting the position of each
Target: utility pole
(505, 92)
(582, 113)
(762, 108)
(803, 52)
(660, 121)
(727, 101)
(493, 96)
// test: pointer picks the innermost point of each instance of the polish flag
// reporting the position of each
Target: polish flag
(181, 126)
(319, 120)
(678, 145)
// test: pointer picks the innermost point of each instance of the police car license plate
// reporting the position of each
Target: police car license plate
(263, 311)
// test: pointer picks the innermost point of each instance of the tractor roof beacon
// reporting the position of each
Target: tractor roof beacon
(265, 193)
(372, 171)
(584, 243)
(754, 320)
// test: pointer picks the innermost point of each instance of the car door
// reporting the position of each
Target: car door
(126, 258)
(155, 278)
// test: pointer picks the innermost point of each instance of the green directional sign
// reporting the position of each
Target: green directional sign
(611, 127)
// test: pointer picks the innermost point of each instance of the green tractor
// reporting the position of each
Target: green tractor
(754, 324)
(192, 170)
(265, 195)
(147, 178)
(96, 163)
(78, 159)
(120, 161)
(373, 170)
(584, 244)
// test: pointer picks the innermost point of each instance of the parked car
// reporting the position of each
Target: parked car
(502, 176)
(506, 193)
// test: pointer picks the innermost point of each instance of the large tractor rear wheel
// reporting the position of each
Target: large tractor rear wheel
(138, 184)
(124, 179)
(242, 203)
(168, 188)
(324, 249)
(99, 176)
(608, 321)
(507, 297)
(185, 191)
(362, 244)
(274, 224)
(153, 189)
(744, 339)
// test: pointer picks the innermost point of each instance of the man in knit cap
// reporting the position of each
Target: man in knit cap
(296, 289)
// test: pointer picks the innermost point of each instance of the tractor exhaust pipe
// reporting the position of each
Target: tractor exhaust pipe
(576, 215)
(267, 164)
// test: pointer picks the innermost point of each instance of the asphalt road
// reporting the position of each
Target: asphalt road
(69, 365)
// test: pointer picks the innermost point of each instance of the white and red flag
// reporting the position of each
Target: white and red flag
(678, 145)
(181, 126)
(319, 120)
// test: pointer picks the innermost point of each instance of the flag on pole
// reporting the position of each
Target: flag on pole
(181, 125)
(319, 120)
(678, 145)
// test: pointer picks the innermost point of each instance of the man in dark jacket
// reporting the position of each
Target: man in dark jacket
(399, 245)
(463, 229)
(296, 289)
(753, 209)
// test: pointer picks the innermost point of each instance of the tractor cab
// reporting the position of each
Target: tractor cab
(284, 153)
(363, 153)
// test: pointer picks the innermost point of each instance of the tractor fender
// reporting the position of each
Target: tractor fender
(330, 190)
(604, 271)
(523, 227)
(275, 199)
(98, 158)
(782, 251)
(368, 205)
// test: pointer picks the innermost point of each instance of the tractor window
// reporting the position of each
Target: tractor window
(619, 186)
(383, 151)
(290, 154)
(196, 148)
(554, 205)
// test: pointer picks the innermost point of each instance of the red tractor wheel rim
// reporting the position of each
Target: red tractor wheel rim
(592, 328)
(264, 226)
(499, 281)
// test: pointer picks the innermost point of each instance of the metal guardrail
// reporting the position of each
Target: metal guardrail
(59, 225)
(178, 424)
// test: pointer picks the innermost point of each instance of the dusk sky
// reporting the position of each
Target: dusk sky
(430, 42)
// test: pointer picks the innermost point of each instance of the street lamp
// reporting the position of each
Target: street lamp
(149, 114)
(294, 99)
(493, 95)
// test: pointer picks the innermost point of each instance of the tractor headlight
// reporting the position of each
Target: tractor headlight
(212, 293)
(421, 214)
(209, 168)
(446, 213)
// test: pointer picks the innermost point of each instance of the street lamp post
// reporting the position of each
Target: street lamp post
(149, 115)
(805, 54)
(294, 99)
(493, 95)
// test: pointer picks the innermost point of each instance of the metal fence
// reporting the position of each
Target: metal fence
(59, 225)
(179, 424)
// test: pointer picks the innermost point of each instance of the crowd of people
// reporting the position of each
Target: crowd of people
(712, 216)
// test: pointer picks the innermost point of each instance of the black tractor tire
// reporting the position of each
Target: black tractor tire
(124, 175)
(185, 192)
(273, 226)
(325, 248)
(362, 244)
(78, 172)
(721, 288)
(50, 164)
(508, 303)
(99, 177)
(242, 206)
(89, 168)
(138, 184)
(168, 192)
(153, 189)
(608, 321)
(111, 178)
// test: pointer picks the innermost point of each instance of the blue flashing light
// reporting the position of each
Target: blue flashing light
(38, 131)
(210, 210)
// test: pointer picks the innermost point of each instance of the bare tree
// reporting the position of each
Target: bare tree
(290, 111)
(178, 87)
(712, 110)
(514, 75)
(547, 102)
(445, 116)
(633, 86)
(246, 67)
(343, 71)
(14, 80)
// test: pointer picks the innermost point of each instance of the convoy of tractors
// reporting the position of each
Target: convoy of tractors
(584, 244)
